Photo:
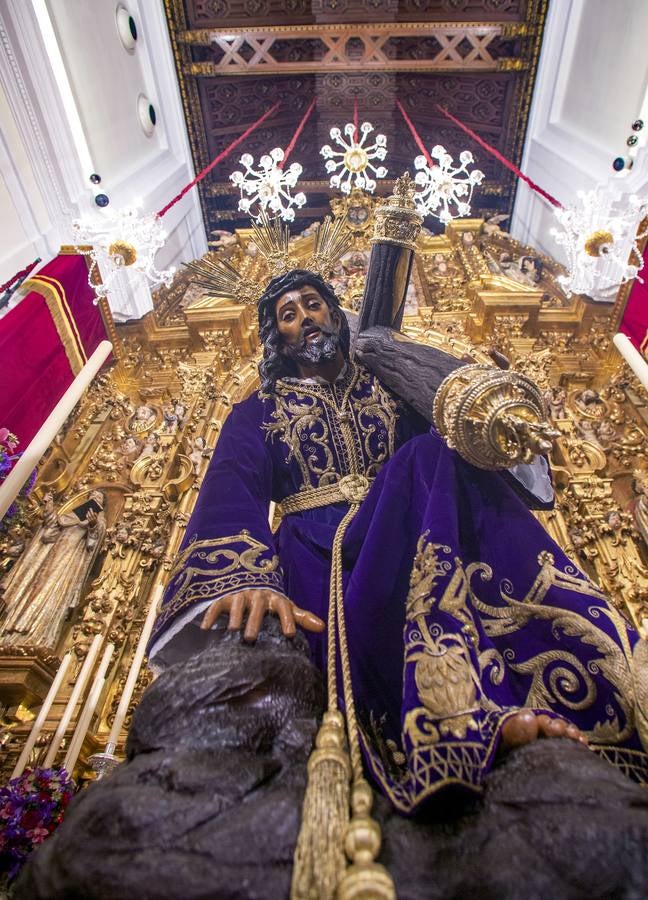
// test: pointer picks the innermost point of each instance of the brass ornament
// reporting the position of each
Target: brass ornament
(596, 243)
(122, 250)
(398, 222)
(494, 419)
(357, 211)
(356, 159)
(332, 240)
(223, 280)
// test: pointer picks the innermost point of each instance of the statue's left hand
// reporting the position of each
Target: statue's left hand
(257, 603)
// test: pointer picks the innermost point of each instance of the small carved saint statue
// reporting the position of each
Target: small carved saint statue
(46, 582)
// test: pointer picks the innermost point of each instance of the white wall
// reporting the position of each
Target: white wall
(592, 84)
(68, 107)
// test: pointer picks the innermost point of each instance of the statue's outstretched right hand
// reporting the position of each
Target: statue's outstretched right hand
(256, 603)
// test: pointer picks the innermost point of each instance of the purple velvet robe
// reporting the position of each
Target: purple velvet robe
(460, 608)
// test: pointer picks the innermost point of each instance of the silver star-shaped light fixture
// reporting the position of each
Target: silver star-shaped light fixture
(269, 186)
(353, 165)
(445, 189)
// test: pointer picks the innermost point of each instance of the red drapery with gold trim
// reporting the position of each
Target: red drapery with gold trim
(635, 318)
(44, 342)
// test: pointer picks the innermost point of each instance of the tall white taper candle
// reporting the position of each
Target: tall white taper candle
(37, 727)
(136, 665)
(49, 429)
(79, 685)
(88, 710)
(632, 356)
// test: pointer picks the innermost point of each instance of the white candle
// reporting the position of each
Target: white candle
(632, 356)
(84, 674)
(136, 665)
(88, 710)
(49, 429)
(37, 727)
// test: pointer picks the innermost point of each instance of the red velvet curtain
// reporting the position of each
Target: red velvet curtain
(44, 340)
(635, 317)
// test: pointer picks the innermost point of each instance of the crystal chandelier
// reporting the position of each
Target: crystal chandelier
(268, 187)
(122, 239)
(445, 190)
(353, 164)
(601, 243)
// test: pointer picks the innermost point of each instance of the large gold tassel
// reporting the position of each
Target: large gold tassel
(320, 870)
(319, 860)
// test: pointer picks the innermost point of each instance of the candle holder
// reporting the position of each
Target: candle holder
(103, 763)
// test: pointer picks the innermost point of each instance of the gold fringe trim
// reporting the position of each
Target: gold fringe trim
(53, 293)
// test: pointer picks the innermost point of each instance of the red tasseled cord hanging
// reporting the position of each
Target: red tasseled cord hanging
(482, 143)
(505, 162)
(22, 274)
(415, 135)
(221, 156)
(298, 131)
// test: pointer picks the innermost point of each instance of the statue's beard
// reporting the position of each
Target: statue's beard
(311, 353)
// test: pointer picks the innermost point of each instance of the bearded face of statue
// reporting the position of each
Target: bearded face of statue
(282, 331)
(309, 329)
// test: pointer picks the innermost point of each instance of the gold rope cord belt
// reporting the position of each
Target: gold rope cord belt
(336, 813)
(349, 489)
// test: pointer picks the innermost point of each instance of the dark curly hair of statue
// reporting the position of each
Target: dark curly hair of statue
(275, 364)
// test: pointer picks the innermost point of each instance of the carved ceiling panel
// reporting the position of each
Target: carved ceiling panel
(236, 58)
(241, 13)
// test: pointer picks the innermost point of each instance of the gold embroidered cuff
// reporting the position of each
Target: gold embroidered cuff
(210, 568)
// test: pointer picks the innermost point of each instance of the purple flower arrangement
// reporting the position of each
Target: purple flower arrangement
(8, 459)
(31, 806)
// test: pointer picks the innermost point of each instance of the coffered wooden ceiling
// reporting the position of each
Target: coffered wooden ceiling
(236, 58)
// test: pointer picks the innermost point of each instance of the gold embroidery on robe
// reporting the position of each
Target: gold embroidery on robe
(240, 570)
(557, 676)
(317, 422)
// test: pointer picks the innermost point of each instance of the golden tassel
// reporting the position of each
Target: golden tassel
(320, 870)
(364, 879)
(319, 861)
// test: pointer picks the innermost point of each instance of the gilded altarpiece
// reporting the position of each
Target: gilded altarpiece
(144, 432)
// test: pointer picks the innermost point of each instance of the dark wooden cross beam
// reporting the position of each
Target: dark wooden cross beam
(413, 371)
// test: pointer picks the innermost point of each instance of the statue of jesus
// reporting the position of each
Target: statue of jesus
(468, 628)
